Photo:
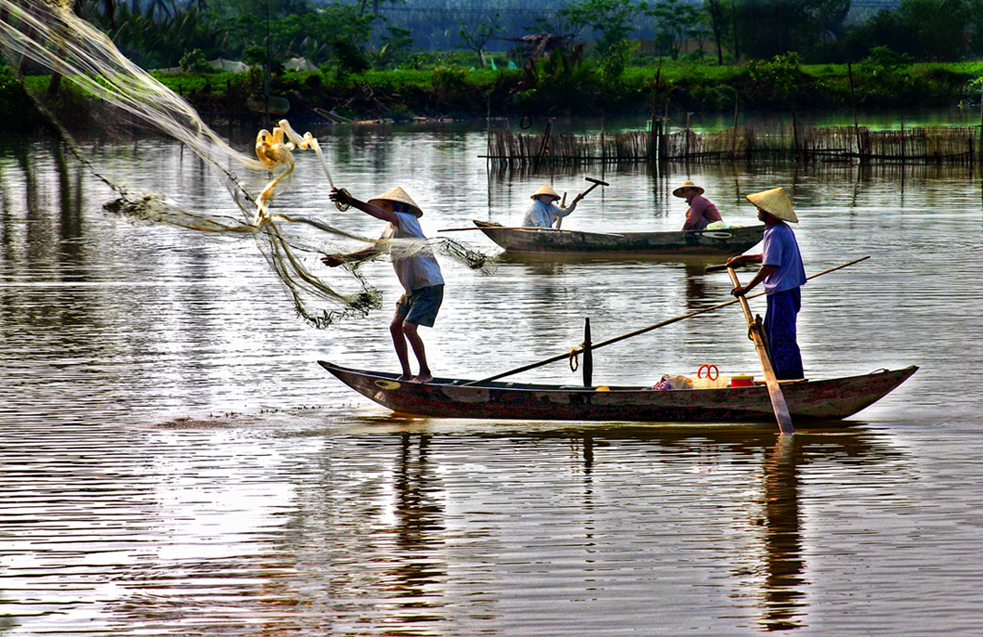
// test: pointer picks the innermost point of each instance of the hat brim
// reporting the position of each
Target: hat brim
(416, 211)
(398, 195)
(775, 202)
(678, 191)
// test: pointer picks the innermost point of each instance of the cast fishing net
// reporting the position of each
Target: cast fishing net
(47, 35)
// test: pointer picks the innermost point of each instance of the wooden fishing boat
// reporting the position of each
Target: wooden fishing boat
(723, 242)
(832, 399)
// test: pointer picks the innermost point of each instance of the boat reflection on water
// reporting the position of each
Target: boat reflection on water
(549, 263)
(444, 531)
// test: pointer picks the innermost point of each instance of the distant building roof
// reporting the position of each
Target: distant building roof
(299, 64)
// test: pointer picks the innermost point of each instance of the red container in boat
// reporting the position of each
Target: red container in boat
(742, 380)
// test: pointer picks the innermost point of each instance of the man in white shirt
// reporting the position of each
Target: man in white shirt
(416, 268)
(543, 213)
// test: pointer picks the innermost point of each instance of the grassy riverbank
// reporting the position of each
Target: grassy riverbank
(589, 89)
(558, 89)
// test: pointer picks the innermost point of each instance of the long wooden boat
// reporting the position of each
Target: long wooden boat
(832, 399)
(723, 242)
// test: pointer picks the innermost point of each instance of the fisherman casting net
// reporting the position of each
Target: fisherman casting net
(46, 36)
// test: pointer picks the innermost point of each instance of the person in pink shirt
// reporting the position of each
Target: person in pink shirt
(701, 211)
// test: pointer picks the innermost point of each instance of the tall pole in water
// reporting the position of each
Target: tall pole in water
(266, 70)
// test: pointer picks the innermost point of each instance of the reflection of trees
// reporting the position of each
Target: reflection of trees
(47, 238)
(70, 208)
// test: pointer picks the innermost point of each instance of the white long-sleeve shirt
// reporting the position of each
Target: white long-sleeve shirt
(543, 215)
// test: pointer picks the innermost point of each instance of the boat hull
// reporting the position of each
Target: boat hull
(832, 399)
(724, 242)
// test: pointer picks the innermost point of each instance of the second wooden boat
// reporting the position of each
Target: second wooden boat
(722, 242)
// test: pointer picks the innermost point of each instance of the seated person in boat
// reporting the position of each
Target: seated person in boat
(543, 212)
(783, 276)
(415, 265)
(701, 211)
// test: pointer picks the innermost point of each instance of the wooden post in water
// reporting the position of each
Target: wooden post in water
(655, 133)
(853, 103)
(663, 151)
(686, 154)
(588, 354)
(543, 145)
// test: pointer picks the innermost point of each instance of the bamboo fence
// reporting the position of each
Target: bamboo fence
(939, 144)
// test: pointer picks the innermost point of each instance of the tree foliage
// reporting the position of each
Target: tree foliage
(612, 19)
(155, 38)
(766, 28)
(334, 32)
(159, 33)
(476, 38)
(676, 22)
(926, 30)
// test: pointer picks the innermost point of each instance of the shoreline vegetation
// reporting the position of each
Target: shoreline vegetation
(553, 88)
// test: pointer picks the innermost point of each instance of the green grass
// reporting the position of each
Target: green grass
(444, 86)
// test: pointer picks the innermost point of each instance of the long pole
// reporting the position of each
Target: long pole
(757, 335)
(643, 330)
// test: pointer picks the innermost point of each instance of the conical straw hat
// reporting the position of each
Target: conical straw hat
(545, 190)
(687, 184)
(399, 195)
(776, 202)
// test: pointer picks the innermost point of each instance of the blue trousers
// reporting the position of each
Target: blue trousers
(783, 307)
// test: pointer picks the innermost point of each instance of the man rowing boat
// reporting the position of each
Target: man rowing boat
(783, 276)
(543, 213)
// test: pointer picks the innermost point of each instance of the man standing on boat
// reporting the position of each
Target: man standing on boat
(701, 211)
(416, 268)
(543, 213)
(783, 275)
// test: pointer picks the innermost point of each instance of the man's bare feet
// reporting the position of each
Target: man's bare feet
(406, 378)
(423, 379)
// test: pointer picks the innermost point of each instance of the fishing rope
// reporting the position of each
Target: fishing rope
(574, 357)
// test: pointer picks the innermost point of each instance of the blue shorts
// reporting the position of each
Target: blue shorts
(421, 306)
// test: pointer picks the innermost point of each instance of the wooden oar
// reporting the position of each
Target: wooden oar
(563, 204)
(594, 184)
(643, 330)
(496, 227)
(757, 335)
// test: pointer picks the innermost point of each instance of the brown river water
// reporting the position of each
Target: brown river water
(173, 461)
